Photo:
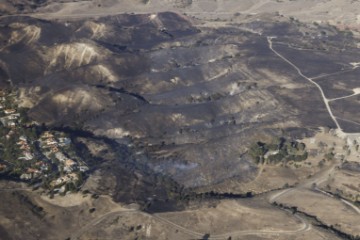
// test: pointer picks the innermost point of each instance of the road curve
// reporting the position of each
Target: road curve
(305, 226)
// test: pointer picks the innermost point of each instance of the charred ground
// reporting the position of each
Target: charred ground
(163, 105)
(189, 95)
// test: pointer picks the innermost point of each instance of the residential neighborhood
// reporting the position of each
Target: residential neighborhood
(30, 153)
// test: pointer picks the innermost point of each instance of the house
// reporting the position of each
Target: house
(32, 171)
(69, 165)
(25, 147)
(3, 121)
(23, 138)
(60, 156)
(68, 169)
(9, 111)
(14, 116)
(83, 168)
(7, 122)
(9, 134)
(26, 176)
(73, 176)
(62, 189)
(21, 142)
(60, 180)
(69, 162)
(67, 178)
(27, 156)
(64, 141)
(51, 142)
(44, 167)
(54, 149)
(47, 134)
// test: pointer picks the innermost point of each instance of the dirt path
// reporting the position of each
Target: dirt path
(356, 92)
(346, 120)
(316, 180)
(305, 226)
(332, 74)
(99, 219)
(326, 101)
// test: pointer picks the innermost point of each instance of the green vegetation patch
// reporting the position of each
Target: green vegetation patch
(278, 150)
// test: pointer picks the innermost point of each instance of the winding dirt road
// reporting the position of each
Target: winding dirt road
(305, 226)
(311, 80)
(326, 101)
(321, 176)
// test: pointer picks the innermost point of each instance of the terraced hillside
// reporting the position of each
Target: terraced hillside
(192, 97)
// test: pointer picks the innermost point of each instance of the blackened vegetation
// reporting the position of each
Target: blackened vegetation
(4, 234)
(351, 166)
(135, 182)
(174, 26)
(184, 197)
(35, 209)
(26, 5)
(124, 91)
(113, 47)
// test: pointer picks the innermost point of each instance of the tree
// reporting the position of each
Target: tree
(33, 134)
(23, 115)
(301, 146)
(70, 187)
(329, 156)
(206, 236)
(257, 151)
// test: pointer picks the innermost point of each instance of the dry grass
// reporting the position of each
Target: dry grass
(329, 210)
